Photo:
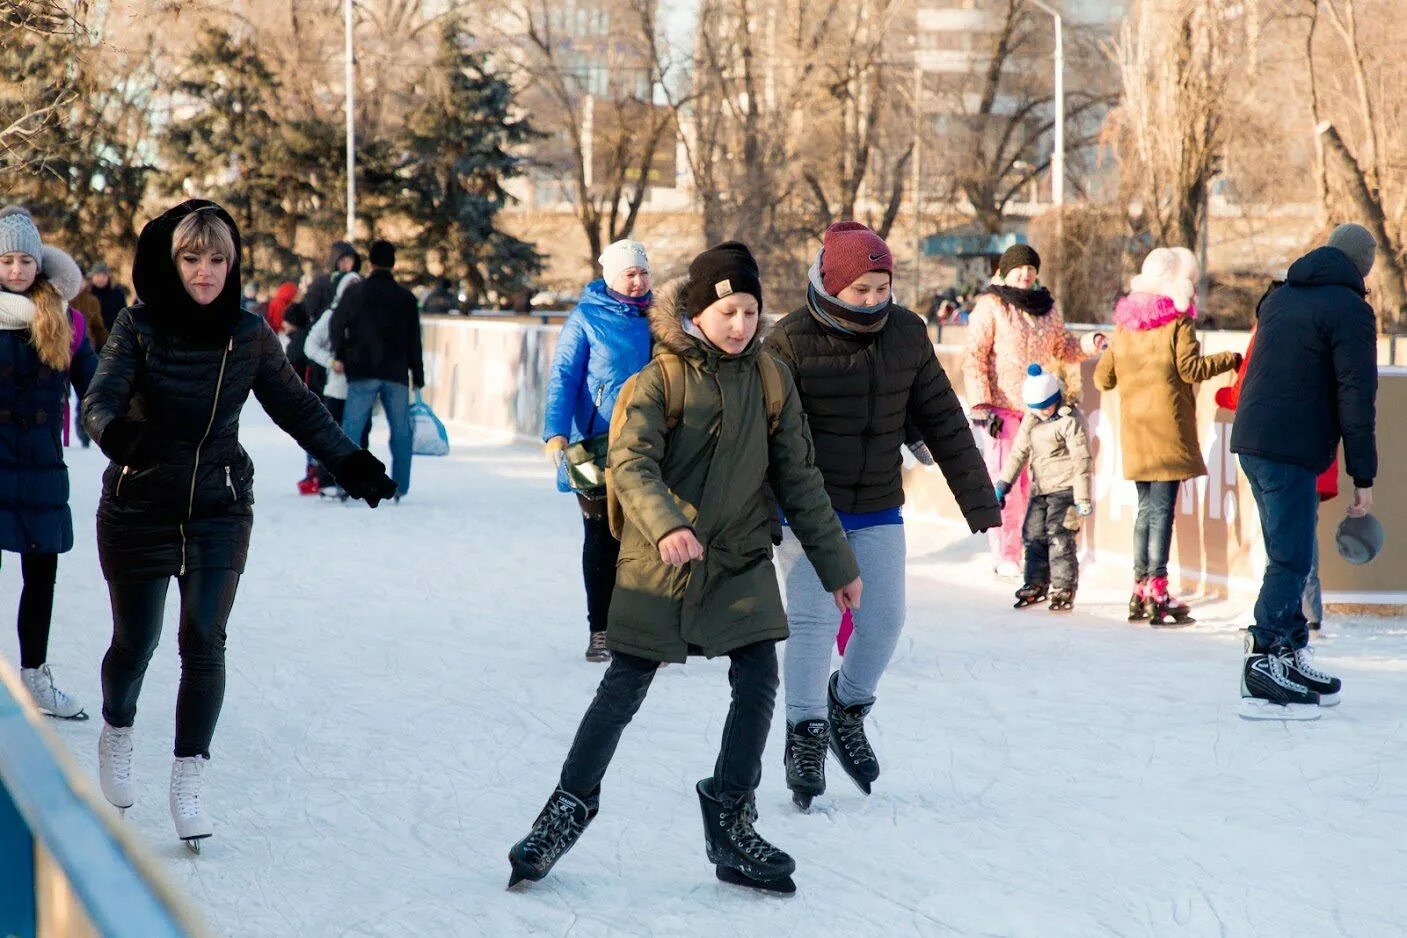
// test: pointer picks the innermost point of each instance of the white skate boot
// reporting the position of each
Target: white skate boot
(187, 786)
(48, 698)
(115, 765)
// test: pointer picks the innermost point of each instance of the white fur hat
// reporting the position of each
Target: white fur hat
(1170, 272)
(621, 256)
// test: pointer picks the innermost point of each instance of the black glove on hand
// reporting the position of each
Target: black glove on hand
(130, 443)
(994, 426)
(363, 476)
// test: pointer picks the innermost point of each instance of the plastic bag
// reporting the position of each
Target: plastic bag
(428, 436)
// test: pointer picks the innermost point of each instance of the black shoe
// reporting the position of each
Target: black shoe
(848, 740)
(1029, 595)
(596, 650)
(556, 830)
(1300, 668)
(735, 847)
(805, 760)
(1062, 600)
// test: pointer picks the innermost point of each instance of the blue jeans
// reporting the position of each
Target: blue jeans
(395, 400)
(1153, 527)
(1289, 506)
(1313, 604)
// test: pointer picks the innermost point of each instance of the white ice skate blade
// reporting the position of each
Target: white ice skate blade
(1254, 708)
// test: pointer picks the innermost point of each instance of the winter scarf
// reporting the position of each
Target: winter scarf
(16, 311)
(637, 303)
(159, 288)
(1037, 302)
(838, 316)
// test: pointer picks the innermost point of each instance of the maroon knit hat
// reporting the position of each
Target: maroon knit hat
(849, 251)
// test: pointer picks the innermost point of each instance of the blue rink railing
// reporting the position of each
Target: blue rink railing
(67, 866)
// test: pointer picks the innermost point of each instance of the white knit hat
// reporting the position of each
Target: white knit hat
(620, 257)
(1041, 388)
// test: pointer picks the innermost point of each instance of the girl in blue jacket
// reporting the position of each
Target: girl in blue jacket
(604, 341)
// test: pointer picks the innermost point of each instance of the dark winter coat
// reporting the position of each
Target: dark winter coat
(375, 331)
(707, 474)
(34, 489)
(183, 499)
(857, 391)
(113, 299)
(1314, 376)
(322, 291)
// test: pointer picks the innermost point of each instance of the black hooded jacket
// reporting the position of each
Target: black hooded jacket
(1314, 376)
(859, 390)
(179, 373)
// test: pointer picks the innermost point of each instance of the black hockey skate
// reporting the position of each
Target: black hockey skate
(1299, 668)
(1062, 600)
(1268, 692)
(1030, 595)
(848, 740)
(1138, 601)
(805, 760)
(741, 857)
(556, 830)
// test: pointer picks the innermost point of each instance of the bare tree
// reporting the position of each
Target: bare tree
(36, 39)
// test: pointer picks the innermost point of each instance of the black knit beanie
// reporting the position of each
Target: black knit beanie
(721, 271)
(1018, 255)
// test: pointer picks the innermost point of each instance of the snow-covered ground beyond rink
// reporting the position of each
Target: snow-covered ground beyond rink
(404, 683)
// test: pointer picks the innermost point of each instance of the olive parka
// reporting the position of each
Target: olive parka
(707, 474)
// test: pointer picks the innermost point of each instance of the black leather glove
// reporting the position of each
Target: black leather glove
(131, 443)
(994, 426)
(363, 476)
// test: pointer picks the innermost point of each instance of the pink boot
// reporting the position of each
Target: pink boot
(1163, 609)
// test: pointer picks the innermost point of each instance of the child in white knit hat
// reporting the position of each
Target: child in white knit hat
(1054, 439)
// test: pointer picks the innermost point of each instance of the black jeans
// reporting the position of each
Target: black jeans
(36, 607)
(1153, 528)
(738, 771)
(1050, 546)
(137, 606)
(599, 553)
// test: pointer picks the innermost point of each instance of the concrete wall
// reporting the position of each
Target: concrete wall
(491, 376)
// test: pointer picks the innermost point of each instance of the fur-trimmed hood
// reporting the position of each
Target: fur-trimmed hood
(667, 325)
(1139, 312)
(62, 271)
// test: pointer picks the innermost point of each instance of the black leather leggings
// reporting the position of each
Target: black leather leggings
(137, 606)
(36, 607)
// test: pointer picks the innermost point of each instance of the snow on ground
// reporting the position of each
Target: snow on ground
(404, 683)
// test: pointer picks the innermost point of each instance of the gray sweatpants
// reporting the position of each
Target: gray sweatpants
(813, 619)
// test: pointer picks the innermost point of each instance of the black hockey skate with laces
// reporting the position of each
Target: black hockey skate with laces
(1029, 595)
(556, 830)
(740, 855)
(848, 740)
(1268, 689)
(1299, 667)
(805, 760)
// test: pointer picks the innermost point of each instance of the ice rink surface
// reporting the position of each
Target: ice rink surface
(403, 684)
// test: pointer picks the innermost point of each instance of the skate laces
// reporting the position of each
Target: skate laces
(744, 836)
(554, 828)
(42, 688)
(185, 786)
(808, 753)
(1280, 675)
(851, 730)
(1304, 663)
(117, 753)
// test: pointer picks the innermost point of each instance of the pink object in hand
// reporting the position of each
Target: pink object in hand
(842, 638)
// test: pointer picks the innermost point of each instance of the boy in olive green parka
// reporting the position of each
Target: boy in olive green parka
(695, 574)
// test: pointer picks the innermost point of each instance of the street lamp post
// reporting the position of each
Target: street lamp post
(349, 79)
(1057, 161)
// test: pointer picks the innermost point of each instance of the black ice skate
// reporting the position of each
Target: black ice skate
(848, 740)
(1299, 667)
(556, 830)
(1061, 599)
(1138, 601)
(1163, 610)
(1267, 690)
(805, 760)
(1029, 595)
(739, 854)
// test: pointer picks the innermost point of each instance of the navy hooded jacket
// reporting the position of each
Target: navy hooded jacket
(1314, 376)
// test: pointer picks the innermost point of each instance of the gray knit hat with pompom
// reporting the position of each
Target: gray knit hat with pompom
(18, 234)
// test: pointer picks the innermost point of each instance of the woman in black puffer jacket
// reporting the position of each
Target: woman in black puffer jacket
(178, 497)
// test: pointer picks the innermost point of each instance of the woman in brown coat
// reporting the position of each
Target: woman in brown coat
(1156, 354)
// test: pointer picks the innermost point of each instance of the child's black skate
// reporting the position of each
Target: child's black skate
(1030, 595)
(805, 760)
(556, 830)
(848, 740)
(740, 855)
(1138, 601)
(1268, 691)
(1163, 610)
(1062, 600)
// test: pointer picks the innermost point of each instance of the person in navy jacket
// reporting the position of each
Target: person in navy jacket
(604, 341)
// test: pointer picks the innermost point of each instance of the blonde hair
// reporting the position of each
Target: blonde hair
(202, 231)
(52, 333)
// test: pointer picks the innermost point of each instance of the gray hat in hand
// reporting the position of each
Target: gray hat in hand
(1359, 539)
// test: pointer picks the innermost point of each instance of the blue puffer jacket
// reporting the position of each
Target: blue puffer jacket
(1314, 376)
(34, 514)
(603, 343)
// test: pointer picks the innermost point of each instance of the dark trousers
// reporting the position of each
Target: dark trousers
(36, 607)
(599, 553)
(137, 606)
(1050, 546)
(1289, 507)
(1153, 528)
(738, 771)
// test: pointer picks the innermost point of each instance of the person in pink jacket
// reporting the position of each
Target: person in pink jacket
(1014, 323)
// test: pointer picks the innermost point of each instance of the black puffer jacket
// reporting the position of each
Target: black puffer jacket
(182, 498)
(857, 391)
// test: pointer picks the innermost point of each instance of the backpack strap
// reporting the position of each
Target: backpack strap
(672, 375)
(773, 390)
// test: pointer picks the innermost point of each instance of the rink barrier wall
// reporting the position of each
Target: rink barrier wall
(491, 377)
(67, 866)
